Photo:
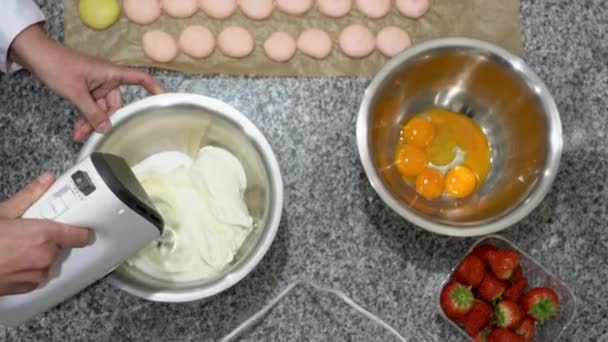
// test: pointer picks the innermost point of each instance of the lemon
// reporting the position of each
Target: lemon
(99, 14)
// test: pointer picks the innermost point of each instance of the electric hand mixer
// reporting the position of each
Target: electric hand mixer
(100, 193)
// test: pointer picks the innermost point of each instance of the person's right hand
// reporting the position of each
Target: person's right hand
(29, 247)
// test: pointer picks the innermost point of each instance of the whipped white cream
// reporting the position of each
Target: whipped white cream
(202, 204)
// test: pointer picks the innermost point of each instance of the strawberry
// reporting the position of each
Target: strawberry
(456, 299)
(507, 314)
(471, 270)
(482, 335)
(517, 274)
(540, 303)
(516, 290)
(526, 329)
(503, 263)
(478, 317)
(481, 251)
(504, 335)
(491, 288)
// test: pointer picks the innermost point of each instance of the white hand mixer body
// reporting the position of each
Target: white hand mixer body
(100, 193)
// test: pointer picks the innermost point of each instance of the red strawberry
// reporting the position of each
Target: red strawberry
(491, 288)
(540, 303)
(478, 317)
(517, 274)
(481, 251)
(503, 263)
(456, 299)
(471, 270)
(507, 314)
(504, 335)
(482, 335)
(516, 290)
(526, 329)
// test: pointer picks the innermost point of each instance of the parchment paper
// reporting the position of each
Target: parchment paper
(497, 21)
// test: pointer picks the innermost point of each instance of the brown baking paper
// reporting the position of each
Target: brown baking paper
(497, 21)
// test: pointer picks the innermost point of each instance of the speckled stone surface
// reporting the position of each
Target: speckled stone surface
(335, 229)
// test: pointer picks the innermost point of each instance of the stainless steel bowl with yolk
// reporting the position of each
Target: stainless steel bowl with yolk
(501, 95)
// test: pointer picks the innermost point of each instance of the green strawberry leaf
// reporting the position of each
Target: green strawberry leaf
(462, 296)
(499, 317)
(542, 310)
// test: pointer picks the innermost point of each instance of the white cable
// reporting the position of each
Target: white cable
(247, 324)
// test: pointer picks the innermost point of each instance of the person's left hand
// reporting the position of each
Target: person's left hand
(90, 83)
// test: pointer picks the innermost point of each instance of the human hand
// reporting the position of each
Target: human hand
(90, 83)
(28, 248)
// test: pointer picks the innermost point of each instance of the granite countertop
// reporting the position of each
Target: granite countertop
(335, 229)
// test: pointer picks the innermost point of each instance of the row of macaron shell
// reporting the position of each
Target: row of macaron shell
(145, 12)
(198, 41)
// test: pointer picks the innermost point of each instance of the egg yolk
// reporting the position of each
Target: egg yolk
(430, 183)
(410, 160)
(460, 182)
(457, 130)
(418, 132)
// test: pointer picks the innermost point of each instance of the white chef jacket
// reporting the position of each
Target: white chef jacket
(15, 16)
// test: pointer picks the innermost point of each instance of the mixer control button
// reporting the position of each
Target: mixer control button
(83, 182)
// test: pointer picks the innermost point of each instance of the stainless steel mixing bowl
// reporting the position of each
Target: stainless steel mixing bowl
(185, 122)
(499, 92)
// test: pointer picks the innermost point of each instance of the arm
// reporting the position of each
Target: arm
(15, 16)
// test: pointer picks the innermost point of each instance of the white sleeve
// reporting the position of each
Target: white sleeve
(15, 16)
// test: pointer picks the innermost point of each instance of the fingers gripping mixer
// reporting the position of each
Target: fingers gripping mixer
(100, 193)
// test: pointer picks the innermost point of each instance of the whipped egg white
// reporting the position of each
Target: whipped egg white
(203, 207)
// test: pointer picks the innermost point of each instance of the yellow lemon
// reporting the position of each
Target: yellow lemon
(99, 14)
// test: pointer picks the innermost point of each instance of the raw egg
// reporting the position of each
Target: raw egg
(430, 183)
(443, 151)
(460, 182)
(410, 160)
(418, 132)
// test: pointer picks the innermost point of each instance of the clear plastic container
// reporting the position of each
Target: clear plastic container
(538, 276)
